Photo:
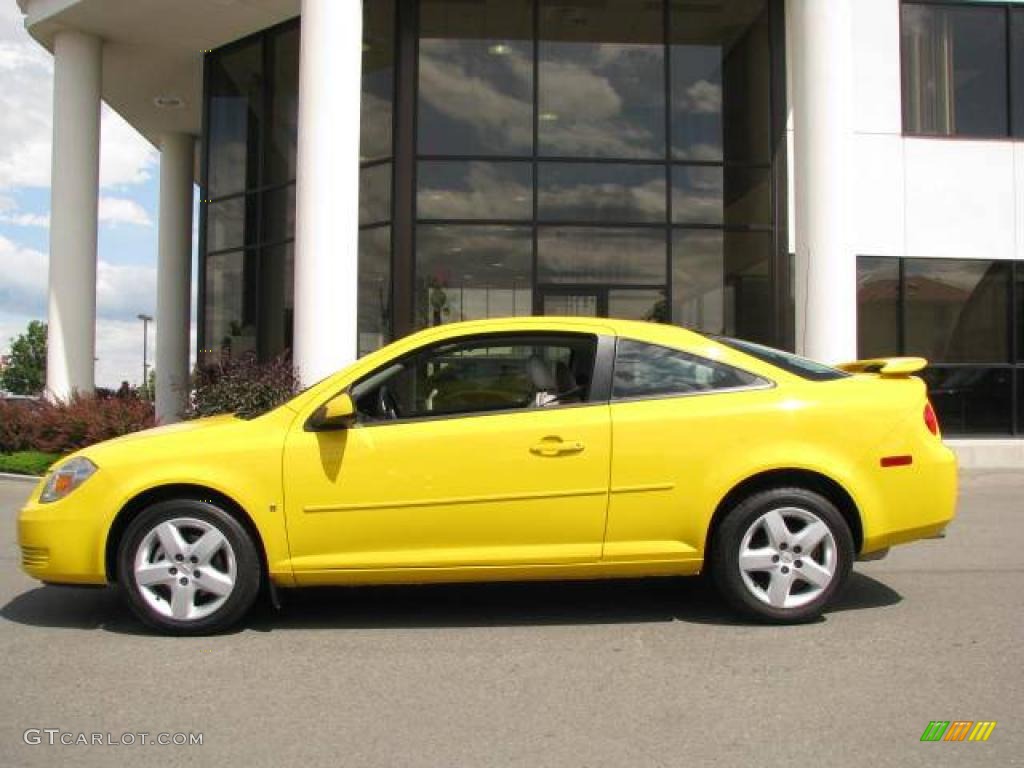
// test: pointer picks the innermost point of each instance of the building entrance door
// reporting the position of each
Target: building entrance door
(629, 303)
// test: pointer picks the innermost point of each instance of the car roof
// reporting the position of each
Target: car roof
(648, 331)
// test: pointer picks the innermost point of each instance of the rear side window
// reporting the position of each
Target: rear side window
(649, 370)
(787, 361)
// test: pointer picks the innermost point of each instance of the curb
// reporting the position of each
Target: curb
(22, 478)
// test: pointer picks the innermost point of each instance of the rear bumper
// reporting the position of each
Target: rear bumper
(914, 502)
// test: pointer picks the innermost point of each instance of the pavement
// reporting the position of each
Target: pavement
(620, 673)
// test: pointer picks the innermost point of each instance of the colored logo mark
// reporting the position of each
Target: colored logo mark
(958, 730)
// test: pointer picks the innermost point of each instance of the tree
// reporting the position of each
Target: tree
(25, 372)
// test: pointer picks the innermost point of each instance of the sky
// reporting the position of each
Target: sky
(129, 185)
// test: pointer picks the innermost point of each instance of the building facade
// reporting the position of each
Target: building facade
(839, 177)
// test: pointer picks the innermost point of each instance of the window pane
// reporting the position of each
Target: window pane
(736, 197)
(236, 81)
(283, 125)
(375, 194)
(956, 310)
(231, 223)
(698, 288)
(646, 370)
(378, 83)
(971, 401)
(480, 376)
(638, 304)
(276, 267)
(720, 70)
(878, 307)
(605, 192)
(603, 255)
(476, 77)
(474, 190)
(1017, 71)
(602, 79)
(748, 295)
(472, 272)
(1019, 318)
(230, 310)
(374, 288)
(279, 214)
(954, 70)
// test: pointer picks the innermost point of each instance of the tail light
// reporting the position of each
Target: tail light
(930, 419)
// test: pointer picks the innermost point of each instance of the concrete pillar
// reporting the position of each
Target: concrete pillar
(75, 174)
(826, 268)
(174, 276)
(327, 194)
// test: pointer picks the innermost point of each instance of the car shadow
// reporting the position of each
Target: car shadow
(689, 600)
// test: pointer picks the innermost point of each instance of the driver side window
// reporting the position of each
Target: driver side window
(479, 376)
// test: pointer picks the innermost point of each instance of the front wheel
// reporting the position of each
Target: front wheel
(782, 555)
(187, 567)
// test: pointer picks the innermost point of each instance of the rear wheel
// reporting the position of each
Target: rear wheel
(188, 567)
(781, 555)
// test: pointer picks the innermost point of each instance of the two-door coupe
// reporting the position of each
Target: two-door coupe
(528, 448)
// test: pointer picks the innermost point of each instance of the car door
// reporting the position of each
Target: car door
(676, 418)
(484, 451)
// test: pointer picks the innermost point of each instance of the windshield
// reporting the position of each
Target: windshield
(798, 366)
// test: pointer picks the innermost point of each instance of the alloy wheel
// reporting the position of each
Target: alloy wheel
(787, 557)
(185, 568)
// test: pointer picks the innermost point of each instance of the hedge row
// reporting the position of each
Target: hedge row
(65, 427)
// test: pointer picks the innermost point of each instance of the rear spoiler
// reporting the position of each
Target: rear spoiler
(886, 366)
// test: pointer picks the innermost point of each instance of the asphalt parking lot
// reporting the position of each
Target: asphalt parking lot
(641, 673)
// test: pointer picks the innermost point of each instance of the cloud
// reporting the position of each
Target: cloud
(26, 103)
(121, 210)
(122, 290)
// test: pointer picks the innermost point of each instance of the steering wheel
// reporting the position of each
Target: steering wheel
(387, 404)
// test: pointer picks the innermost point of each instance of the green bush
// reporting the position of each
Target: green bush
(27, 462)
(243, 386)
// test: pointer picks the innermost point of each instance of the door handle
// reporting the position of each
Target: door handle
(556, 446)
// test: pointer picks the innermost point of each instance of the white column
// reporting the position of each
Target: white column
(75, 172)
(174, 276)
(826, 268)
(327, 195)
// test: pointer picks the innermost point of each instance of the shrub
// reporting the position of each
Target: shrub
(242, 385)
(68, 426)
(19, 425)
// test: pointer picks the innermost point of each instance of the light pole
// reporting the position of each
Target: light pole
(146, 320)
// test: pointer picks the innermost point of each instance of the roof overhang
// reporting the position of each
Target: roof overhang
(153, 49)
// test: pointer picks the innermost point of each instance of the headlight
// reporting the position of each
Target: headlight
(66, 477)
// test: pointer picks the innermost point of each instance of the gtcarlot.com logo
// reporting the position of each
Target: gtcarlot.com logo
(58, 737)
(958, 730)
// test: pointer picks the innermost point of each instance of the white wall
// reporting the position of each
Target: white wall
(924, 197)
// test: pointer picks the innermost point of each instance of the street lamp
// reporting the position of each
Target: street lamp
(146, 320)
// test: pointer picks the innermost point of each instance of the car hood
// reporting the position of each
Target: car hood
(190, 438)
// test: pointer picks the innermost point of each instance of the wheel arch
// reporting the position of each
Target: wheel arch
(143, 499)
(807, 479)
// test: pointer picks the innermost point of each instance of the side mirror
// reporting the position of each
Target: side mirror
(337, 413)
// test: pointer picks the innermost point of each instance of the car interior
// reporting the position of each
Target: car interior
(479, 376)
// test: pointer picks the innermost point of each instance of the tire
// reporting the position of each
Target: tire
(786, 574)
(187, 567)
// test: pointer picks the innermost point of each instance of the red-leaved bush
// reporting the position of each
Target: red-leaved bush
(242, 385)
(67, 426)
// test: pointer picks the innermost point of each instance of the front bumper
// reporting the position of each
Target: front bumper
(61, 542)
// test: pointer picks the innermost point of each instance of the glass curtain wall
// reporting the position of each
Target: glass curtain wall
(966, 317)
(517, 157)
(248, 207)
(595, 159)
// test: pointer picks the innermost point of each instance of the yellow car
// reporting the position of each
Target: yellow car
(528, 448)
